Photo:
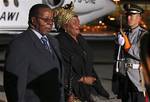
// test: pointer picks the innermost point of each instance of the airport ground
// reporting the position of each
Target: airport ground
(103, 48)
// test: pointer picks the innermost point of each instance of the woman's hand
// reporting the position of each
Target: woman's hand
(89, 80)
(71, 98)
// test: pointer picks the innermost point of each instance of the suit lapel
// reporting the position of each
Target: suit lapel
(45, 52)
(57, 53)
(52, 44)
(38, 43)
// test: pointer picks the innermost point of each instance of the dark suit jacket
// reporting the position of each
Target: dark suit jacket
(79, 57)
(30, 74)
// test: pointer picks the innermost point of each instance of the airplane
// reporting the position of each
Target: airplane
(14, 13)
(87, 10)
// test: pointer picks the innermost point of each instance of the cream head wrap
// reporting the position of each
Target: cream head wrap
(64, 14)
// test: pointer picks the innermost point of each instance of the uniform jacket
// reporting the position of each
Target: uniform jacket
(120, 81)
(132, 56)
(30, 74)
(78, 56)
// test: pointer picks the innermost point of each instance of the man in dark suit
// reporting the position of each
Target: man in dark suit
(33, 70)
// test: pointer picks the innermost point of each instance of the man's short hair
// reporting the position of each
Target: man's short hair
(34, 11)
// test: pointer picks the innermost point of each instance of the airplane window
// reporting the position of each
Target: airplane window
(6, 3)
(54, 2)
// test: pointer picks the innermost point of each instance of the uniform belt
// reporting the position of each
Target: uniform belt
(133, 66)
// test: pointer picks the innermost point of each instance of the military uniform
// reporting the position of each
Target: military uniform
(132, 78)
(132, 63)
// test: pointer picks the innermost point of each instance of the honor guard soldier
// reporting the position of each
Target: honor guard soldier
(130, 83)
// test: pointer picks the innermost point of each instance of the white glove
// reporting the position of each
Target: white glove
(121, 40)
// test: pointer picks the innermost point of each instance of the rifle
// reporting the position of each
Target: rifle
(126, 46)
(119, 49)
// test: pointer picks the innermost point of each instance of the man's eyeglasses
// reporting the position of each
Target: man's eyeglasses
(46, 19)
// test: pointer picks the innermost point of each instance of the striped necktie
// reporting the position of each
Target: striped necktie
(45, 43)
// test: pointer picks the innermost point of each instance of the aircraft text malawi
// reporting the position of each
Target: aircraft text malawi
(9, 16)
